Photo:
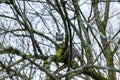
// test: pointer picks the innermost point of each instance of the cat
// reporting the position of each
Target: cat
(60, 42)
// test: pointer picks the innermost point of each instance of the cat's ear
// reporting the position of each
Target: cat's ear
(56, 33)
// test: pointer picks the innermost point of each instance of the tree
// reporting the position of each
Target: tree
(27, 39)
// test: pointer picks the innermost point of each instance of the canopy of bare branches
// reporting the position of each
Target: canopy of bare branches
(59, 40)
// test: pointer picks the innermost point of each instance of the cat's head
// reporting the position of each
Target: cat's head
(59, 36)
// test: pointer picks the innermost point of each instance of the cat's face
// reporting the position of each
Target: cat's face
(59, 37)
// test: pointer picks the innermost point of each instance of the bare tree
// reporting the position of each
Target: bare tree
(89, 28)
